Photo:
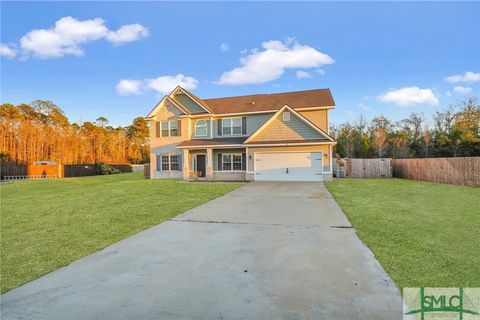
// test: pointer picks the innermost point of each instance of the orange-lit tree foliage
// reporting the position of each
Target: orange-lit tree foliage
(41, 131)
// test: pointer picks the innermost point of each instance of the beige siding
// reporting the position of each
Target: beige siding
(317, 117)
(166, 145)
(294, 129)
(168, 112)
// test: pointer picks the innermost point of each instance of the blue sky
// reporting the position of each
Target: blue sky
(377, 58)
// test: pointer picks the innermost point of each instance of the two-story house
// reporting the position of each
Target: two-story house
(262, 137)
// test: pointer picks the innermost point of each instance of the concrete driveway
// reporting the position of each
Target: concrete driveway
(264, 251)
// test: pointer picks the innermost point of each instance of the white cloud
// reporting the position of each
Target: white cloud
(165, 84)
(265, 65)
(462, 90)
(127, 86)
(301, 74)
(128, 33)
(448, 94)
(68, 34)
(469, 77)
(6, 51)
(409, 96)
(320, 71)
(224, 47)
(350, 113)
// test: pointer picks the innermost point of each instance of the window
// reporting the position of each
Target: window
(232, 162)
(165, 130)
(165, 163)
(170, 128)
(231, 126)
(227, 162)
(174, 163)
(169, 162)
(201, 128)
(286, 116)
(173, 128)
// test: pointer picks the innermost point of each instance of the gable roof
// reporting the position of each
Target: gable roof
(271, 102)
(257, 103)
(298, 115)
(177, 104)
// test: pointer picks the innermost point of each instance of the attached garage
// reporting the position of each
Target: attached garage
(288, 166)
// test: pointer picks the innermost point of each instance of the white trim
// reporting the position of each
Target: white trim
(212, 146)
(271, 111)
(231, 154)
(206, 127)
(228, 171)
(189, 95)
(231, 127)
(169, 128)
(298, 115)
(267, 123)
(290, 144)
(295, 151)
(253, 112)
(246, 159)
(194, 162)
(211, 128)
(152, 114)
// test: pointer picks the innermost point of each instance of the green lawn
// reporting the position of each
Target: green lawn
(49, 223)
(424, 234)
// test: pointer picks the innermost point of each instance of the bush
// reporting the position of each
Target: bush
(104, 169)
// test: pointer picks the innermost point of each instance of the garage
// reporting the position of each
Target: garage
(288, 166)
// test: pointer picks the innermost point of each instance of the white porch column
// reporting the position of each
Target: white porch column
(186, 164)
(209, 164)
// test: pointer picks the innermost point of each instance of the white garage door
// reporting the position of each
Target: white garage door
(288, 166)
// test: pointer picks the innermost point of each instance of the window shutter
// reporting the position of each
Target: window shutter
(159, 162)
(157, 129)
(244, 161)
(219, 162)
(244, 125)
(179, 127)
(219, 127)
(179, 157)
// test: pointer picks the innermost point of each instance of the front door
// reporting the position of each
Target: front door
(201, 167)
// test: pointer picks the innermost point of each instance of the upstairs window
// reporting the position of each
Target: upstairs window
(286, 116)
(201, 128)
(165, 130)
(170, 128)
(232, 126)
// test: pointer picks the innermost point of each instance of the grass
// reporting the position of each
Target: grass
(424, 234)
(49, 223)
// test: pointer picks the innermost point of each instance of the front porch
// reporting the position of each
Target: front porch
(220, 164)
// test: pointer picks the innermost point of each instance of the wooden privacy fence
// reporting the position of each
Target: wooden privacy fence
(14, 170)
(363, 168)
(462, 171)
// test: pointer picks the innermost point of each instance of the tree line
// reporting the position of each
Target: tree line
(453, 132)
(41, 131)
